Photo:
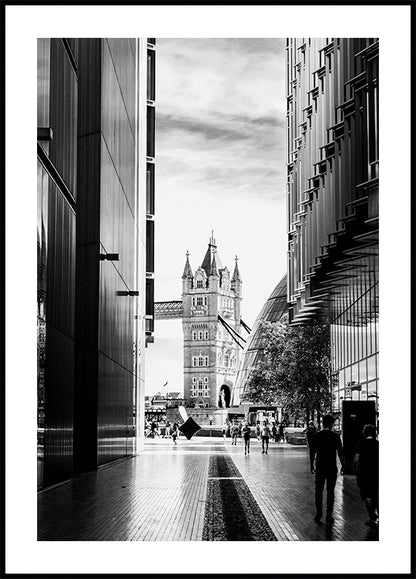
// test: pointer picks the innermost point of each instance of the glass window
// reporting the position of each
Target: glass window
(354, 374)
(363, 393)
(362, 368)
(151, 75)
(372, 389)
(371, 368)
(150, 189)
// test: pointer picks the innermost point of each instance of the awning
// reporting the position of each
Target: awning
(235, 411)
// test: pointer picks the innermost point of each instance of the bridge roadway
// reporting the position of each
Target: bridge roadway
(168, 310)
(200, 490)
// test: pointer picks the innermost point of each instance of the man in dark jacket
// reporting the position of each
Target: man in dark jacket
(325, 447)
(310, 433)
(366, 470)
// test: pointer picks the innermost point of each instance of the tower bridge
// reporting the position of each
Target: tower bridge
(210, 310)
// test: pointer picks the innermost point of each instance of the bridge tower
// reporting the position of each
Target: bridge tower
(211, 354)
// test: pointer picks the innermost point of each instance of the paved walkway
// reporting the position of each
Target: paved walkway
(203, 489)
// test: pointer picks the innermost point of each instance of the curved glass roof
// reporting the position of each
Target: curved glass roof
(272, 311)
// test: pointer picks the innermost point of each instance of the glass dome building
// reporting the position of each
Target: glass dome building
(274, 308)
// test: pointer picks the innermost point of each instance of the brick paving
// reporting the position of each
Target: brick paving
(284, 488)
(204, 489)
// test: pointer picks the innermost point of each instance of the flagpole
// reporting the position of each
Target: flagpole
(167, 399)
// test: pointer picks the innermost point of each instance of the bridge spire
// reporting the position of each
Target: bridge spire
(187, 272)
(236, 274)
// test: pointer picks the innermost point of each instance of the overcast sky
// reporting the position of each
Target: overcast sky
(221, 165)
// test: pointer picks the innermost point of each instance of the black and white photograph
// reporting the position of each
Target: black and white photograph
(217, 371)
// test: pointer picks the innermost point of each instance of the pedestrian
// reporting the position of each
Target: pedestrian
(174, 432)
(274, 432)
(246, 431)
(282, 431)
(311, 430)
(265, 435)
(326, 444)
(234, 433)
(366, 470)
(167, 429)
(258, 429)
(154, 429)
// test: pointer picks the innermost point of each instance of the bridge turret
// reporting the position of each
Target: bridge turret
(187, 276)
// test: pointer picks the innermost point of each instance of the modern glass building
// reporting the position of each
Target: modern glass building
(95, 249)
(274, 308)
(332, 114)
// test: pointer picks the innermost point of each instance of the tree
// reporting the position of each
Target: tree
(294, 369)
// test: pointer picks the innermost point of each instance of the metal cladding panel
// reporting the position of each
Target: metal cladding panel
(117, 112)
(332, 114)
(59, 406)
(61, 263)
(43, 86)
(63, 114)
(116, 317)
(117, 204)
(115, 411)
(58, 111)
(59, 291)
(106, 224)
(122, 54)
(116, 218)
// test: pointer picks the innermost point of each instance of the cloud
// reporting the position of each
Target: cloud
(220, 163)
(221, 119)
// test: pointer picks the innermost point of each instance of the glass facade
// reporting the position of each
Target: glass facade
(332, 111)
(56, 220)
(354, 345)
(93, 248)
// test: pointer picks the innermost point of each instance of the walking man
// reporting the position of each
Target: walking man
(246, 435)
(366, 470)
(282, 431)
(325, 447)
(265, 435)
(234, 432)
(310, 433)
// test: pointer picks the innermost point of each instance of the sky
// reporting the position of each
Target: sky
(221, 166)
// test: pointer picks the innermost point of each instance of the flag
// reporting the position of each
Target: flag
(183, 413)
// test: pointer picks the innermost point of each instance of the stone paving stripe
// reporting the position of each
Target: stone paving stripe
(231, 512)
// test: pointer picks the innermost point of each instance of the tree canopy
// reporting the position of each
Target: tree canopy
(294, 370)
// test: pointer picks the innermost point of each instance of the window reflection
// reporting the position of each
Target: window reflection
(354, 337)
(42, 232)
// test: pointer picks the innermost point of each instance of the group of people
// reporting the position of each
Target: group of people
(264, 433)
(171, 430)
(324, 447)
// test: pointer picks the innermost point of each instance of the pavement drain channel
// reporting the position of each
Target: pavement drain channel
(231, 512)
